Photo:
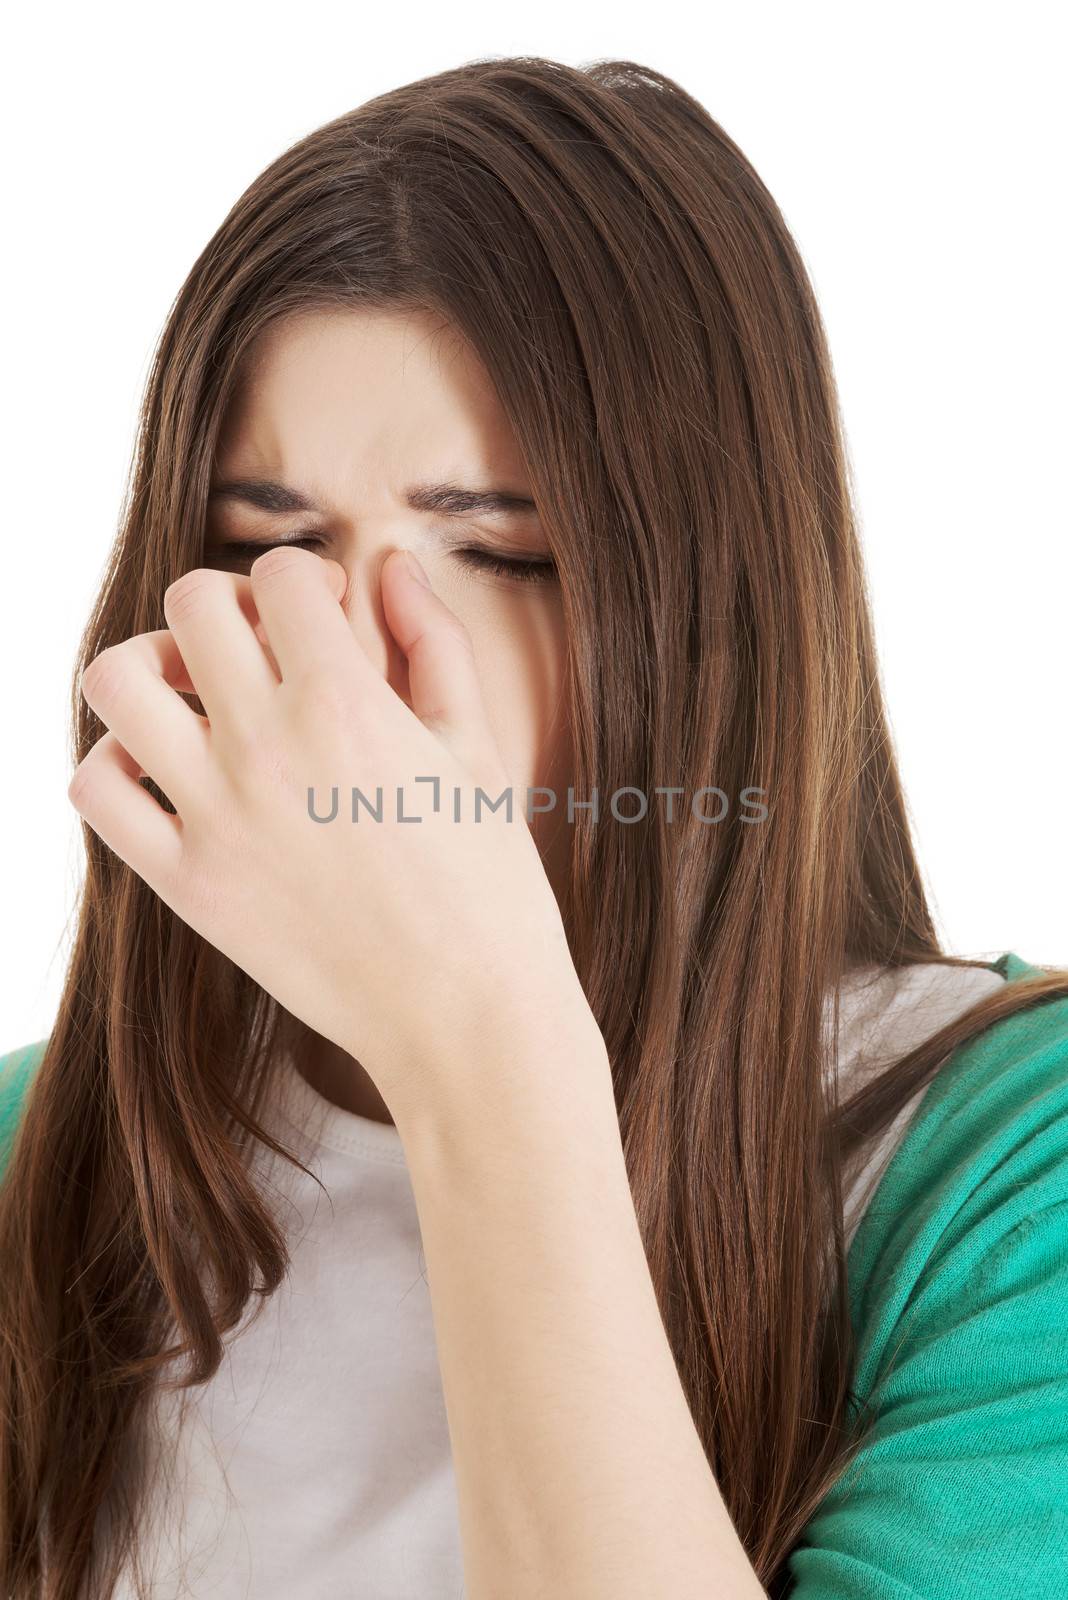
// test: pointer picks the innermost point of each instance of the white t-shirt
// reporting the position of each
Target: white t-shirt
(316, 1463)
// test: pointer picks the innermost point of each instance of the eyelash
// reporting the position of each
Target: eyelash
(530, 571)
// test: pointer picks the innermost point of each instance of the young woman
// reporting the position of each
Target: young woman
(622, 1196)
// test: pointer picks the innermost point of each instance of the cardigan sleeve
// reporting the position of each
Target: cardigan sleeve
(960, 1489)
(17, 1068)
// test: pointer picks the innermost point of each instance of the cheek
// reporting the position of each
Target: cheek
(520, 655)
(524, 713)
(521, 671)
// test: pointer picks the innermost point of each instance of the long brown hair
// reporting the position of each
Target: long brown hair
(645, 316)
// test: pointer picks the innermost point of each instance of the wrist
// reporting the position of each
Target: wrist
(507, 1061)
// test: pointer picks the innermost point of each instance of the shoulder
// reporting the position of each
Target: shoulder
(958, 1285)
(987, 1149)
(17, 1068)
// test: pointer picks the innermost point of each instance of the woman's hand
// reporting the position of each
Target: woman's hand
(384, 936)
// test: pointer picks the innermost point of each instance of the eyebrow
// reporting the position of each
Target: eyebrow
(445, 499)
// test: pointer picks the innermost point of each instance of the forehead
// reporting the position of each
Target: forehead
(362, 399)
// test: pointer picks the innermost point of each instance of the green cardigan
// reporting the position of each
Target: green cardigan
(958, 1279)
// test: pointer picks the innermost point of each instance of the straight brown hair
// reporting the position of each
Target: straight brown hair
(645, 316)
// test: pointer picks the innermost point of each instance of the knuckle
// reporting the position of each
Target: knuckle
(184, 596)
(86, 775)
(80, 788)
(322, 695)
(275, 563)
(435, 716)
(260, 751)
(105, 674)
(270, 761)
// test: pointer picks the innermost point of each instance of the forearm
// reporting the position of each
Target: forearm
(579, 1470)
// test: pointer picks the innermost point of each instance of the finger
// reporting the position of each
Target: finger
(212, 615)
(128, 687)
(296, 594)
(172, 668)
(105, 791)
(446, 692)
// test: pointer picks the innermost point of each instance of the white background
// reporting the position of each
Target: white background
(917, 153)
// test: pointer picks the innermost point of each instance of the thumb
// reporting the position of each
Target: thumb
(446, 693)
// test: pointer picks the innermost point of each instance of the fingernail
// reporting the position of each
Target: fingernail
(416, 570)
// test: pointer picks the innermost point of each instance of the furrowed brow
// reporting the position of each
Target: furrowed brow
(443, 499)
(264, 494)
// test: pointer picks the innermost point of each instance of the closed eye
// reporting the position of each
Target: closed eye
(525, 570)
(521, 569)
